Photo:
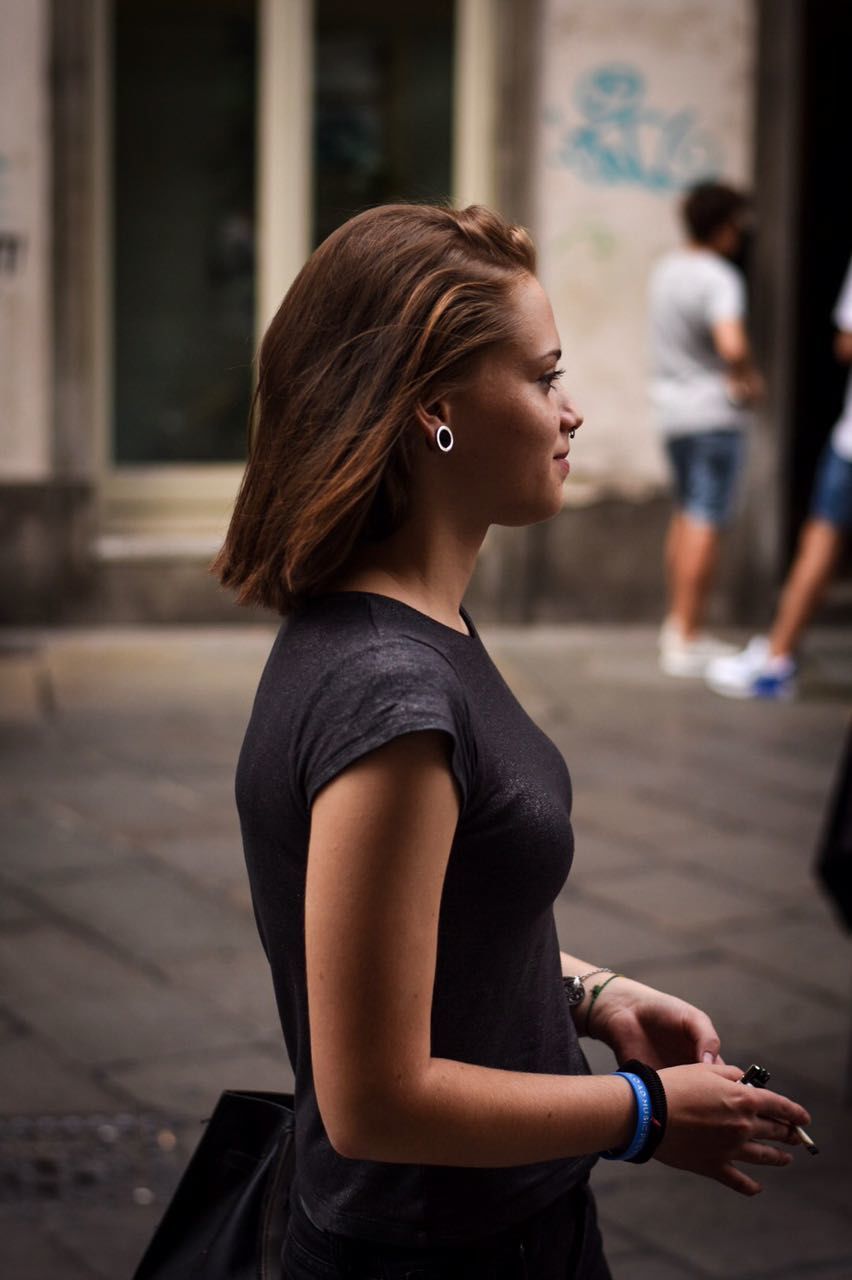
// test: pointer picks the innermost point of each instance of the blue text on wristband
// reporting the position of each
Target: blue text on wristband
(643, 1118)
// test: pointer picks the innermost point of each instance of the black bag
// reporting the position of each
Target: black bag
(834, 857)
(228, 1217)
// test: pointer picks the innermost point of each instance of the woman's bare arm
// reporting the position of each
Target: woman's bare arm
(380, 840)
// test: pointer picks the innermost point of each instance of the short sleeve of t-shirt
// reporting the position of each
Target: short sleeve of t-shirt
(842, 314)
(725, 293)
(381, 691)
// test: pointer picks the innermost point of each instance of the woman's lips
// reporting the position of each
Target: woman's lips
(561, 460)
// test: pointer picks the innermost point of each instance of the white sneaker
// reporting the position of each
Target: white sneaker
(689, 659)
(753, 673)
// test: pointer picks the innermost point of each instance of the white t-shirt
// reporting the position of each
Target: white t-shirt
(690, 291)
(841, 436)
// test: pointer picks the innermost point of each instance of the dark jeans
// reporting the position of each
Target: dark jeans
(560, 1242)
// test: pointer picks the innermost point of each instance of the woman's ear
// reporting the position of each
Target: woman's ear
(429, 417)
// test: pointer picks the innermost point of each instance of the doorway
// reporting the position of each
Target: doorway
(825, 246)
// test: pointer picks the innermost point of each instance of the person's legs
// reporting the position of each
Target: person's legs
(693, 568)
(766, 668)
(670, 556)
(705, 468)
(818, 551)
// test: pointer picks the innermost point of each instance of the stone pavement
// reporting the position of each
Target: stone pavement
(134, 989)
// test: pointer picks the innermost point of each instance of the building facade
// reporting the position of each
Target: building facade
(166, 166)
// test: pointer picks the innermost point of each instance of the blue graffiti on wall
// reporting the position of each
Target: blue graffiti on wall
(622, 140)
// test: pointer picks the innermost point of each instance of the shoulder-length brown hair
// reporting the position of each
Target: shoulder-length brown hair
(390, 311)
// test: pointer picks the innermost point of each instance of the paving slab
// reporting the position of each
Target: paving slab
(676, 900)
(745, 1004)
(22, 690)
(777, 869)
(600, 856)
(107, 1241)
(213, 858)
(147, 913)
(100, 1009)
(31, 1253)
(638, 1264)
(43, 839)
(804, 945)
(37, 1079)
(681, 1210)
(237, 982)
(14, 910)
(188, 1085)
(591, 932)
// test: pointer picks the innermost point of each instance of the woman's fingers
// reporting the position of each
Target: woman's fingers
(704, 1036)
(771, 1106)
(771, 1130)
(734, 1178)
(784, 1111)
(728, 1070)
(762, 1153)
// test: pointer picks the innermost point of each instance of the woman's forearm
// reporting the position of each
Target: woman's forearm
(455, 1113)
(573, 965)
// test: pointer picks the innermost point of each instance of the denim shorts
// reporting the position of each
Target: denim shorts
(832, 492)
(706, 467)
(559, 1242)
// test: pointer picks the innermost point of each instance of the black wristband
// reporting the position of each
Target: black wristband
(659, 1108)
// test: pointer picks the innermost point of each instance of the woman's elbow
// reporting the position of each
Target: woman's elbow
(363, 1127)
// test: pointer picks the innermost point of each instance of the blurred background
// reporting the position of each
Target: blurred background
(165, 168)
(166, 165)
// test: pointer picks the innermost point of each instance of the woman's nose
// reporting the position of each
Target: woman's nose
(571, 415)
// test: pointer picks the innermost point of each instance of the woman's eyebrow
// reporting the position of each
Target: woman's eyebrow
(555, 354)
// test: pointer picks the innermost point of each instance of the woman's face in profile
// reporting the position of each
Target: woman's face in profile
(511, 420)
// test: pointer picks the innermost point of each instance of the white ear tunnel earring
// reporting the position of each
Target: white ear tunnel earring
(444, 438)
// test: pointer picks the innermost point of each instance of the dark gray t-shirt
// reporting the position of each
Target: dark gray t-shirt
(348, 673)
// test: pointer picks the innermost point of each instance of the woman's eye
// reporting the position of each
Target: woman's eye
(550, 379)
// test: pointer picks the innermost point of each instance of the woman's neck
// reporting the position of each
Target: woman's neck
(429, 574)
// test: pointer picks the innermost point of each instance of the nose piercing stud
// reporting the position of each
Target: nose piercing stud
(571, 434)
(444, 438)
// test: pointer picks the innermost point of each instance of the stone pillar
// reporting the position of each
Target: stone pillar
(46, 307)
(25, 375)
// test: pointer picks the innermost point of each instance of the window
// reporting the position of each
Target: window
(184, 131)
(383, 86)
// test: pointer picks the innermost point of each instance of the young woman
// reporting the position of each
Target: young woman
(406, 826)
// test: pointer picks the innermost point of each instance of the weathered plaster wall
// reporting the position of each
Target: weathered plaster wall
(25, 373)
(637, 100)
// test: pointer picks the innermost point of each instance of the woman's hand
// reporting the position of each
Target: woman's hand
(713, 1120)
(639, 1022)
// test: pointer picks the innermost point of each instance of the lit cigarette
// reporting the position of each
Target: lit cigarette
(806, 1139)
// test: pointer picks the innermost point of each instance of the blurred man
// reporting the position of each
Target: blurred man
(767, 667)
(703, 381)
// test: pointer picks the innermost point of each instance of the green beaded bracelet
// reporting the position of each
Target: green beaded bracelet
(596, 991)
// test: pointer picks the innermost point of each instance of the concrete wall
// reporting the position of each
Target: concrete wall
(25, 374)
(637, 102)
